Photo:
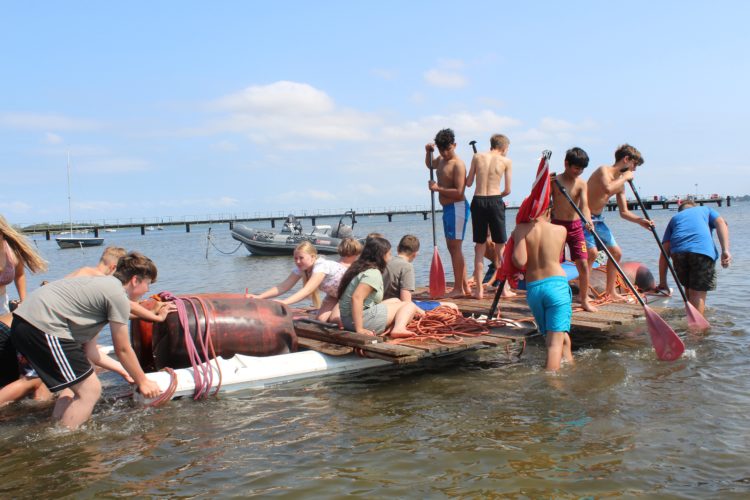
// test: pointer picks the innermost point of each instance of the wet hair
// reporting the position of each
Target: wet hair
(686, 204)
(309, 249)
(372, 257)
(348, 247)
(409, 244)
(499, 141)
(135, 264)
(577, 157)
(627, 150)
(112, 255)
(444, 139)
(21, 247)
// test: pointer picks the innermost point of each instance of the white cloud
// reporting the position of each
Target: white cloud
(225, 146)
(288, 115)
(112, 165)
(38, 121)
(308, 194)
(384, 74)
(468, 125)
(53, 139)
(445, 79)
(15, 206)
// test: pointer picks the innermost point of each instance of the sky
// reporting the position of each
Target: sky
(237, 108)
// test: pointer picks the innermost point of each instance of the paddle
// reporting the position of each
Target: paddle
(667, 344)
(696, 320)
(437, 274)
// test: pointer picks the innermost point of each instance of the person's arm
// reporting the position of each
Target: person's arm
(124, 352)
(99, 358)
(358, 307)
(508, 177)
(722, 231)
(625, 213)
(472, 170)
(520, 256)
(408, 283)
(162, 309)
(583, 203)
(428, 160)
(312, 284)
(279, 289)
(20, 280)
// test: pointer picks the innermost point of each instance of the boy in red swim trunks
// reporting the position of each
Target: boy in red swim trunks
(563, 214)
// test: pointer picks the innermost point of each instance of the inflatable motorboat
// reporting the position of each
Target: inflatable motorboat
(267, 242)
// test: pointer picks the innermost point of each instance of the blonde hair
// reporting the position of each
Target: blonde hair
(310, 250)
(20, 246)
(349, 247)
(112, 255)
(499, 141)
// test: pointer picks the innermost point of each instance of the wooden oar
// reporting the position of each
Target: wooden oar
(696, 320)
(667, 344)
(437, 274)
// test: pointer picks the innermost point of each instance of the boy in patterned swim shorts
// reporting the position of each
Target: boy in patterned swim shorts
(563, 214)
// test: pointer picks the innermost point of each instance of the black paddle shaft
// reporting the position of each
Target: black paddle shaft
(658, 241)
(600, 242)
(432, 198)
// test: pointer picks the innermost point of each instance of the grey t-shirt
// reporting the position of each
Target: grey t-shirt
(76, 308)
(398, 275)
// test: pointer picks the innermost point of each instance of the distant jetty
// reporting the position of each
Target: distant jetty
(312, 215)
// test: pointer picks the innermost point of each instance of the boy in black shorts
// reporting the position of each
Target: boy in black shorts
(56, 327)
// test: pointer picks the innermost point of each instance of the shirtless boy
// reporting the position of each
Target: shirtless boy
(538, 247)
(576, 160)
(487, 207)
(450, 186)
(605, 182)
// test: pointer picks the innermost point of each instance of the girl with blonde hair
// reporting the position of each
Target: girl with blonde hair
(317, 273)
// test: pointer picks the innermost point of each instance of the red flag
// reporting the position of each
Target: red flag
(532, 208)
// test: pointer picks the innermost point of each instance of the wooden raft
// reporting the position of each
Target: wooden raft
(606, 319)
(328, 339)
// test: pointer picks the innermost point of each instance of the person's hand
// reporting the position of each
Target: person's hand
(432, 185)
(124, 374)
(149, 389)
(590, 226)
(365, 331)
(252, 296)
(165, 309)
(646, 223)
(628, 175)
(726, 258)
(430, 148)
(664, 287)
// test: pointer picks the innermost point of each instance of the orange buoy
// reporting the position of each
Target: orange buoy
(237, 325)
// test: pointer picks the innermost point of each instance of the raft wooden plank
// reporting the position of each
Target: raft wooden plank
(590, 326)
(324, 347)
(333, 335)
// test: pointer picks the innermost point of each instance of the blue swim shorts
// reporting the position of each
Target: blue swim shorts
(550, 300)
(602, 230)
(455, 216)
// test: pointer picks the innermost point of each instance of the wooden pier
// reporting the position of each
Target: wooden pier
(149, 224)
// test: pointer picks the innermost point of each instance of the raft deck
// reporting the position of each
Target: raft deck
(328, 339)
(607, 319)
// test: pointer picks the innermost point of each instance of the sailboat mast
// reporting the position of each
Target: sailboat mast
(70, 205)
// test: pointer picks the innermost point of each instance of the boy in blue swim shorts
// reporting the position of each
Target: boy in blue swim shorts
(538, 245)
(450, 186)
(605, 182)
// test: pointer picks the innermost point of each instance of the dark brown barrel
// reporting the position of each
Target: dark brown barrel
(238, 326)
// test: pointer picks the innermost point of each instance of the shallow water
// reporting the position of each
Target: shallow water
(618, 423)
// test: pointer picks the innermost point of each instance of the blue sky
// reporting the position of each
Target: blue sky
(174, 109)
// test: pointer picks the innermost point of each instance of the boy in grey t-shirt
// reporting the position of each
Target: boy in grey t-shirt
(398, 279)
(55, 328)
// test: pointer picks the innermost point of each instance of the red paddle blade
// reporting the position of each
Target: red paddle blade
(696, 321)
(437, 277)
(667, 344)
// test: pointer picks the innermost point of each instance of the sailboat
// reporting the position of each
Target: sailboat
(76, 241)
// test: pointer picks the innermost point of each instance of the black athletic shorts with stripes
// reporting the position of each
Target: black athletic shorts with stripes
(60, 363)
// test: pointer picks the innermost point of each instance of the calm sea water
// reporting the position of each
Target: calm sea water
(618, 423)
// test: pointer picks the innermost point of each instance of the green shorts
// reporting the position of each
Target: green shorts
(695, 271)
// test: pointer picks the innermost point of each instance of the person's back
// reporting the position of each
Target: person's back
(544, 243)
(691, 231)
